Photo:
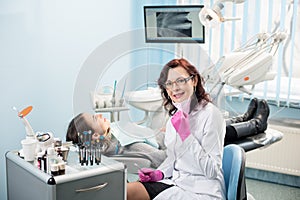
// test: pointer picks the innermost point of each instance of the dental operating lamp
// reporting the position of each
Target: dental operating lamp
(211, 17)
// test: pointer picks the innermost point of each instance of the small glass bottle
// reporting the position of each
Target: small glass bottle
(44, 162)
(61, 168)
(39, 160)
(51, 158)
(54, 169)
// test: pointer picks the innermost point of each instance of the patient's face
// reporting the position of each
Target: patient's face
(97, 122)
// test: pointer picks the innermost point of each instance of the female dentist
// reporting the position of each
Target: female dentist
(194, 140)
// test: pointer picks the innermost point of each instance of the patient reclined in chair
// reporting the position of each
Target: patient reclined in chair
(119, 138)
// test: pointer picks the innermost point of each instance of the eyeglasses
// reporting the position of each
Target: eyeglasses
(179, 82)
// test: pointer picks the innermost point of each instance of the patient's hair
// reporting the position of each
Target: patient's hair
(76, 126)
(200, 93)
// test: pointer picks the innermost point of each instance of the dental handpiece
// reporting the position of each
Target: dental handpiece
(86, 143)
(81, 154)
(139, 167)
(88, 156)
(98, 153)
(92, 154)
(113, 99)
(89, 147)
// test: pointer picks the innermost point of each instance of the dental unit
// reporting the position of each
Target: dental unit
(247, 65)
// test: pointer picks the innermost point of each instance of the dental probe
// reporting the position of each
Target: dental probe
(139, 167)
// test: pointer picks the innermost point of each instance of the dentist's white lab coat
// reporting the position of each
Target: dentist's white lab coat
(195, 165)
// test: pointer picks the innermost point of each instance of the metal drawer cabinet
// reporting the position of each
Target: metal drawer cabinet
(105, 186)
(104, 181)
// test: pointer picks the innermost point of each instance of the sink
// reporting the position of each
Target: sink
(148, 100)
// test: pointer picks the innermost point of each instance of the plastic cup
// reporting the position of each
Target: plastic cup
(29, 148)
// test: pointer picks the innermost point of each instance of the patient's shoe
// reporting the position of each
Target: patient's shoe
(251, 109)
(261, 115)
(247, 115)
(257, 124)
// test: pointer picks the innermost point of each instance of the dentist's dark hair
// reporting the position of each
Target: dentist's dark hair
(200, 96)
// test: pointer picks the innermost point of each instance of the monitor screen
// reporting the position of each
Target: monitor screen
(173, 24)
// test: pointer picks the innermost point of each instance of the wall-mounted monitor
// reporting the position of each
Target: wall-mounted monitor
(173, 24)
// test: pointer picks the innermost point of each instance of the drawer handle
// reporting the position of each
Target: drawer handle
(95, 188)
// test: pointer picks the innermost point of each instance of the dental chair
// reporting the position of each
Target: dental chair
(260, 140)
(233, 166)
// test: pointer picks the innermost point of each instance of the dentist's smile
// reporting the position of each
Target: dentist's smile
(178, 95)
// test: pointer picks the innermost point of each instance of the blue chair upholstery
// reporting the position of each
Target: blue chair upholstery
(233, 165)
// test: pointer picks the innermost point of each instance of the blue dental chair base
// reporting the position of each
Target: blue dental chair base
(233, 166)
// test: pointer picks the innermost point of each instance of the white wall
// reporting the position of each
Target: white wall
(42, 47)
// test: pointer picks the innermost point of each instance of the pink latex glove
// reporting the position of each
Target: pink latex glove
(150, 175)
(181, 124)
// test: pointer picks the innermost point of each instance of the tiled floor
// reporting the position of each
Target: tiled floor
(262, 190)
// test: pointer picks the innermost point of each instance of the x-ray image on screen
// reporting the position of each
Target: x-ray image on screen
(174, 24)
